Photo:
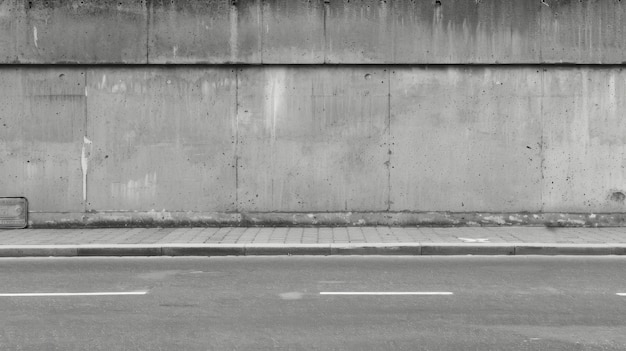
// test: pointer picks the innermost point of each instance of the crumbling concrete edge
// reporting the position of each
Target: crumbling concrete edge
(129, 219)
(334, 249)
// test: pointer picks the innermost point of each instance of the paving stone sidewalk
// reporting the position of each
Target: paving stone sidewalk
(312, 240)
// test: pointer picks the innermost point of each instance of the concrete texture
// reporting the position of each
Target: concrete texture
(90, 31)
(453, 31)
(161, 139)
(451, 127)
(584, 142)
(588, 31)
(335, 241)
(42, 125)
(311, 145)
(293, 31)
(117, 219)
(317, 31)
(184, 31)
(312, 140)
(489, 31)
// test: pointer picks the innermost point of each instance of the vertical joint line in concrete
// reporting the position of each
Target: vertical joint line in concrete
(388, 138)
(85, 137)
(236, 139)
(541, 102)
(148, 3)
(326, 7)
(541, 140)
(541, 37)
(261, 5)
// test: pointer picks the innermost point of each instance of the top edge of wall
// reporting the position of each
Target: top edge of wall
(313, 32)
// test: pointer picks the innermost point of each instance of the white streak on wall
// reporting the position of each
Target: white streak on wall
(84, 161)
(103, 83)
(206, 88)
(35, 37)
(275, 91)
(119, 87)
(136, 190)
(234, 34)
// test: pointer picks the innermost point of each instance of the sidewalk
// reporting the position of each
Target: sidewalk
(312, 241)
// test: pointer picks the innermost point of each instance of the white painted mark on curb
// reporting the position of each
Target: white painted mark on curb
(621, 294)
(386, 293)
(75, 294)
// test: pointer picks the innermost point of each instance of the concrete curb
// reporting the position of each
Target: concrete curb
(468, 249)
(335, 249)
(411, 249)
(570, 249)
(203, 250)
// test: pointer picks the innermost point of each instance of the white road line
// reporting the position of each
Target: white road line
(386, 293)
(75, 294)
(621, 294)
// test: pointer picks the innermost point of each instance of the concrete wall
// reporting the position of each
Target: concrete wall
(313, 144)
(155, 112)
(313, 31)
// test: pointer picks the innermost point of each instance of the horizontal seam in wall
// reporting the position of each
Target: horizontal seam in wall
(244, 65)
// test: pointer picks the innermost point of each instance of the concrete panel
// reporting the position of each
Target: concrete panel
(448, 31)
(585, 140)
(9, 14)
(42, 114)
(161, 139)
(359, 31)
(293, 31)
(312, 139)
(287, 32)
(466, 139)
(57, 31)
(214, 31)
(587, 31)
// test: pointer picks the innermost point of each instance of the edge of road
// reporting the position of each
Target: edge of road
(334, 249)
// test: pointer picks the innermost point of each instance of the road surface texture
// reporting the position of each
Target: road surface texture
(318, 303)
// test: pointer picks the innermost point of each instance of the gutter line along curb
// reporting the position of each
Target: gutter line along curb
(335, 249)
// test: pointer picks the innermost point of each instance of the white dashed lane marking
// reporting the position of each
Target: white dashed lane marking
(115, 293)
(386, 293)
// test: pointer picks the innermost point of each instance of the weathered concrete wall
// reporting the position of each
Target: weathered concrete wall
(42, 124)
(584, 140)
(59, 31)
(161, 139)
(466, 139)
(314, 31)
(312, 139)
(314, 112)
(446, 31)
(183, 31)
(315, 144)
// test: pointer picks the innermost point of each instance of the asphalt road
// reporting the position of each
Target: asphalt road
(232, 303)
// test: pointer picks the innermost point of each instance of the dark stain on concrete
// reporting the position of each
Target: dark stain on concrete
(618, 196)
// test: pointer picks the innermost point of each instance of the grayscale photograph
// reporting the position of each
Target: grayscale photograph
(313, 175)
